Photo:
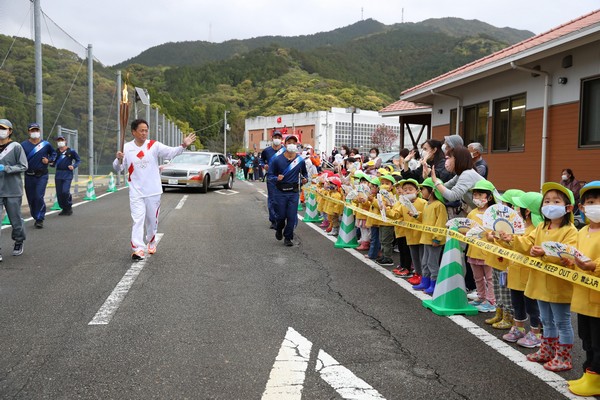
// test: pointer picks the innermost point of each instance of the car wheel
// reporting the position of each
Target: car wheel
(164, 189)
(205, 184)
(229, 184)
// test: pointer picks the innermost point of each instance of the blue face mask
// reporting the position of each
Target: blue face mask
(554, 212)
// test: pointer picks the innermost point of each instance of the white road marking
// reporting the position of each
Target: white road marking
(179, 206)
(112, 303)
(226, 192)
(340, 378)
(289, 370)
(248, 183)
(552, 379)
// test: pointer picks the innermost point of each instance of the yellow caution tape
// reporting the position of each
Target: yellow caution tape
(577, 277)
(79, 182)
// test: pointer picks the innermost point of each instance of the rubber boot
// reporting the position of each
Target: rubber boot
(415, 280)
(496, 318)
(561, 360)
(546, 351)
(431, 288)
(576, 382)
(425, 282)
(589, 386)
(506, 322)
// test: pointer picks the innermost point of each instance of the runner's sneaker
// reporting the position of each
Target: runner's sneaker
(138, 255)
(152, 247)
(530, 340)
(18, 249)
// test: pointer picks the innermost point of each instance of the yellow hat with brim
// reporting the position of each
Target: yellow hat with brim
(370, 163)
(383, 171)
(531, 201)
(548, 186)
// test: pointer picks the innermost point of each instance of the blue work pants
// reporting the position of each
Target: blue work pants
(35, 189)
(63, 193)
(286, 210)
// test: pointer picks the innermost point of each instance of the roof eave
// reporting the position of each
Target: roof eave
(399, 113)
(580, 38)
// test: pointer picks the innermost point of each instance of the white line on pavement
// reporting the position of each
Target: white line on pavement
(179, 206)
(552, 379)
(287, 376)
(340, 378)
(112, 303)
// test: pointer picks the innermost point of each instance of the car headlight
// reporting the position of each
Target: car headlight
(195, 175)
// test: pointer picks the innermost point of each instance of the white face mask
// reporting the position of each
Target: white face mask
(3, 133)
(553, 211)
(472, 155)
(373, 155)
(425, 155)
(276, 142)
(35, 135)
(61, 144)
(292, 148)
(479, 203)
(564, 177)
(592, 213)
(411, 196)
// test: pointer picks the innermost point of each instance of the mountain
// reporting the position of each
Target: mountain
(201, 52)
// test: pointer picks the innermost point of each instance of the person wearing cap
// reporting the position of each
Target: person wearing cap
(553, 294)
(39, 154)
(267, 155)
(434, 214)
(335, 209)
(13, 161)
(288, 170)
(372, 223)
(586, 301)
(528, 206)
(386, 230)
(361, 180)
(452, 142)
(66, 161)
(140, 159)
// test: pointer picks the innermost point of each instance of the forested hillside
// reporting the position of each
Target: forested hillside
(366, 65)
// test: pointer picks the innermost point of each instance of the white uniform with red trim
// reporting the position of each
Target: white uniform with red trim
(141, 162)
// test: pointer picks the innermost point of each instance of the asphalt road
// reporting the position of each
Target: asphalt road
(208, 313)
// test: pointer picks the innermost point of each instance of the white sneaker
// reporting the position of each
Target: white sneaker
(334, 232)
(472, 295)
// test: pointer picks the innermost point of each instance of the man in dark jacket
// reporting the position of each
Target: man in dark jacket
(66, 161)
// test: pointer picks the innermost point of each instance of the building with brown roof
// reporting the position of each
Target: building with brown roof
(534, 106)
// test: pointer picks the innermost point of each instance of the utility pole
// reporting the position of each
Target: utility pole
(37, 49)
(90, 111)
(225, 133)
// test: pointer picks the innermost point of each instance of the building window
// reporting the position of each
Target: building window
(453, 121)
(509, 123)
(475, 124)
(590, 115)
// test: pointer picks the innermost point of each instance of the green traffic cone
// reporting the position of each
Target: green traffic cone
(90, 193)
(111, 183)
(5, 220)
(450, 294)
(347, 234)
(300, 208)
(55, 206)
(311, 214)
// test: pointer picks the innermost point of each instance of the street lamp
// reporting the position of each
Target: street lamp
(352, 110)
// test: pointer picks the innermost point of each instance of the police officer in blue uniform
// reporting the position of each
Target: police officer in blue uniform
(288, 171)
(39, 153)
(267, 156)
(66, 161)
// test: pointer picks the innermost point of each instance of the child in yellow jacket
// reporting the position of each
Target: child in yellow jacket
(372, 223)
(434, 214)
(335, 209)
(553, 294)
(360, 178)
(386, 230)
(586, 302)
(400, 212)
(528, 205)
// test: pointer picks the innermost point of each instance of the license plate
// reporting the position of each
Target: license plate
(173, 182)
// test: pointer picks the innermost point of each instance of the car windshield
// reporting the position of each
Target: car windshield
(203, 159)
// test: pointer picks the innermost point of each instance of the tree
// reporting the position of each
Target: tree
(384, 137)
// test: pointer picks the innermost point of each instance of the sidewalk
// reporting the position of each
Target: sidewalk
(77, 191)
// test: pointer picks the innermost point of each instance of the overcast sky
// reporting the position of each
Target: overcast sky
(121, 29)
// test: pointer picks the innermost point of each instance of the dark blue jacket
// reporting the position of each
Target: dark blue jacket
(64, 159)
(34, 158)
(279, 166)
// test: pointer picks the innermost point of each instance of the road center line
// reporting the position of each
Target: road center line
(552, 379)
(181, 202)
(112, 303)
